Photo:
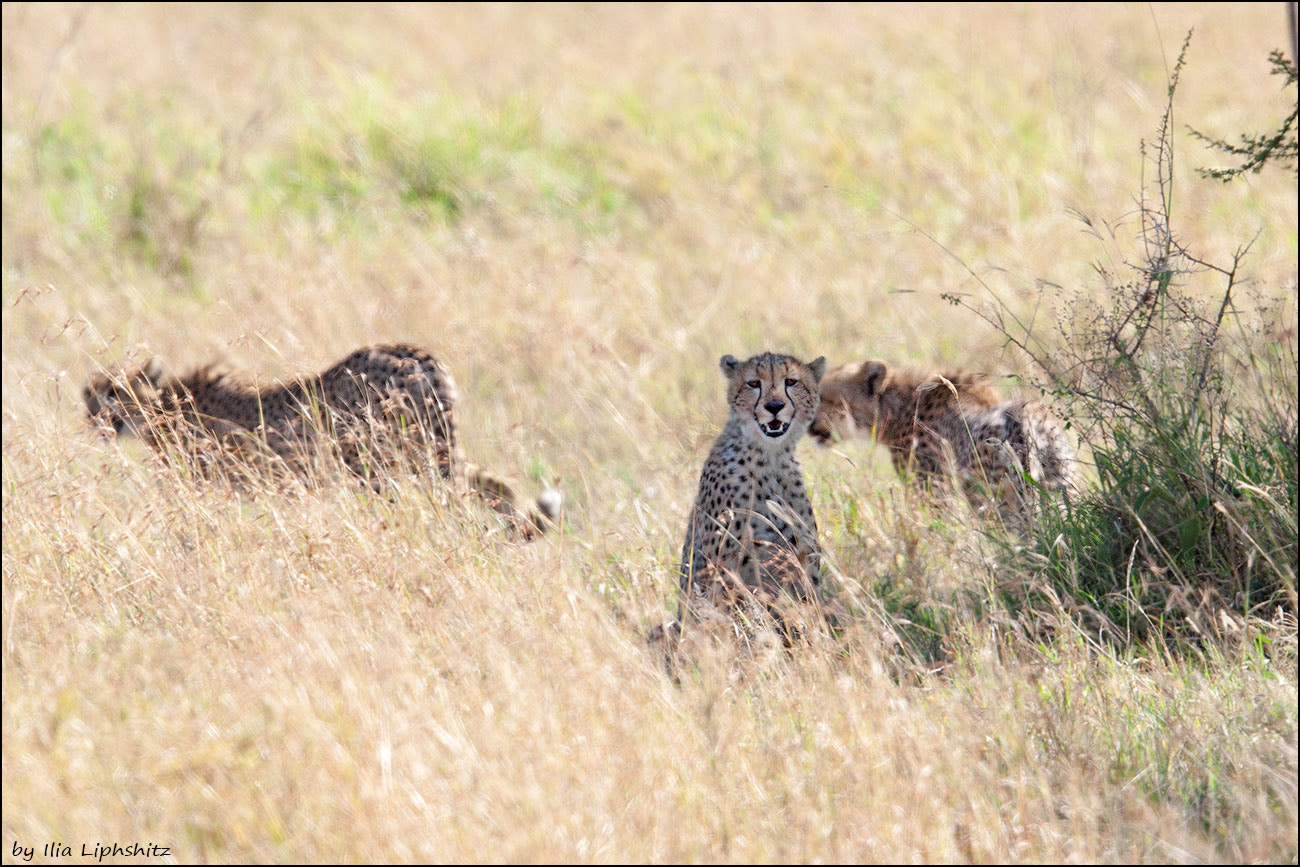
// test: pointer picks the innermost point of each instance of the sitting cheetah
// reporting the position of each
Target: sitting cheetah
(752, 535)
(382, 408)
(927, 422)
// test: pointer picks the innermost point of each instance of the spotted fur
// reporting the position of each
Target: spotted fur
(381, 409)
(951, 422)
(752, 534)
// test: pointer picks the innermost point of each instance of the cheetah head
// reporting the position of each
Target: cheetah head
(116, 398)
(850, 404)
(776, 394)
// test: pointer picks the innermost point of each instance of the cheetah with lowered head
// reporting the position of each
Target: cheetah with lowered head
(937, 423)
(752, 535)
(382, 408)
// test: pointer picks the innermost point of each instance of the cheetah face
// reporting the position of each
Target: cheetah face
(115, 398)
(776, 396)
(850, 404)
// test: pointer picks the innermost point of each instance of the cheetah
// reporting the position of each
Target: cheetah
(752, 534)
(383, 408)
(953, 422)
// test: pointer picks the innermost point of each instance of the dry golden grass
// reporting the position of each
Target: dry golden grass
(580, 208)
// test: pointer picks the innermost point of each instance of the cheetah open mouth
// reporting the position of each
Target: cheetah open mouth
(775, 428)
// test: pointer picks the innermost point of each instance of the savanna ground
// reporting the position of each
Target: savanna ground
(580, 208)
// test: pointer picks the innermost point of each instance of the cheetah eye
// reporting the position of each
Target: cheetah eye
(753, 383)
(790, 381)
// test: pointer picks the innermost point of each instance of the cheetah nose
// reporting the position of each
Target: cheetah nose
(774, 406)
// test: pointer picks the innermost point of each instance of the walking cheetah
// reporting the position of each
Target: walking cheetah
(936, 423)
(752, 535)
(382, 408)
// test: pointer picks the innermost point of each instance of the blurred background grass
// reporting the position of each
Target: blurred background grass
(580, 208)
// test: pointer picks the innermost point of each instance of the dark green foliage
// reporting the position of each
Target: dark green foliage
(1189, 413)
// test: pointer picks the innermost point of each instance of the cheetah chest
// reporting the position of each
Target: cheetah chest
(745, 487)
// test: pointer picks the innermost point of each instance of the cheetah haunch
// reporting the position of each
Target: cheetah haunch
(936, 424)
(381, 409)
(752, 535)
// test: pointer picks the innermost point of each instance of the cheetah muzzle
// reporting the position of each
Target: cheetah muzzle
(776, 427)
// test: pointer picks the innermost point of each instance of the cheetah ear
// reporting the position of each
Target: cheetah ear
(872, 377)
(729, 364)
(153, 369)
(818, 368)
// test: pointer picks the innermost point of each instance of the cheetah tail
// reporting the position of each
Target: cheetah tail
(500, 494)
